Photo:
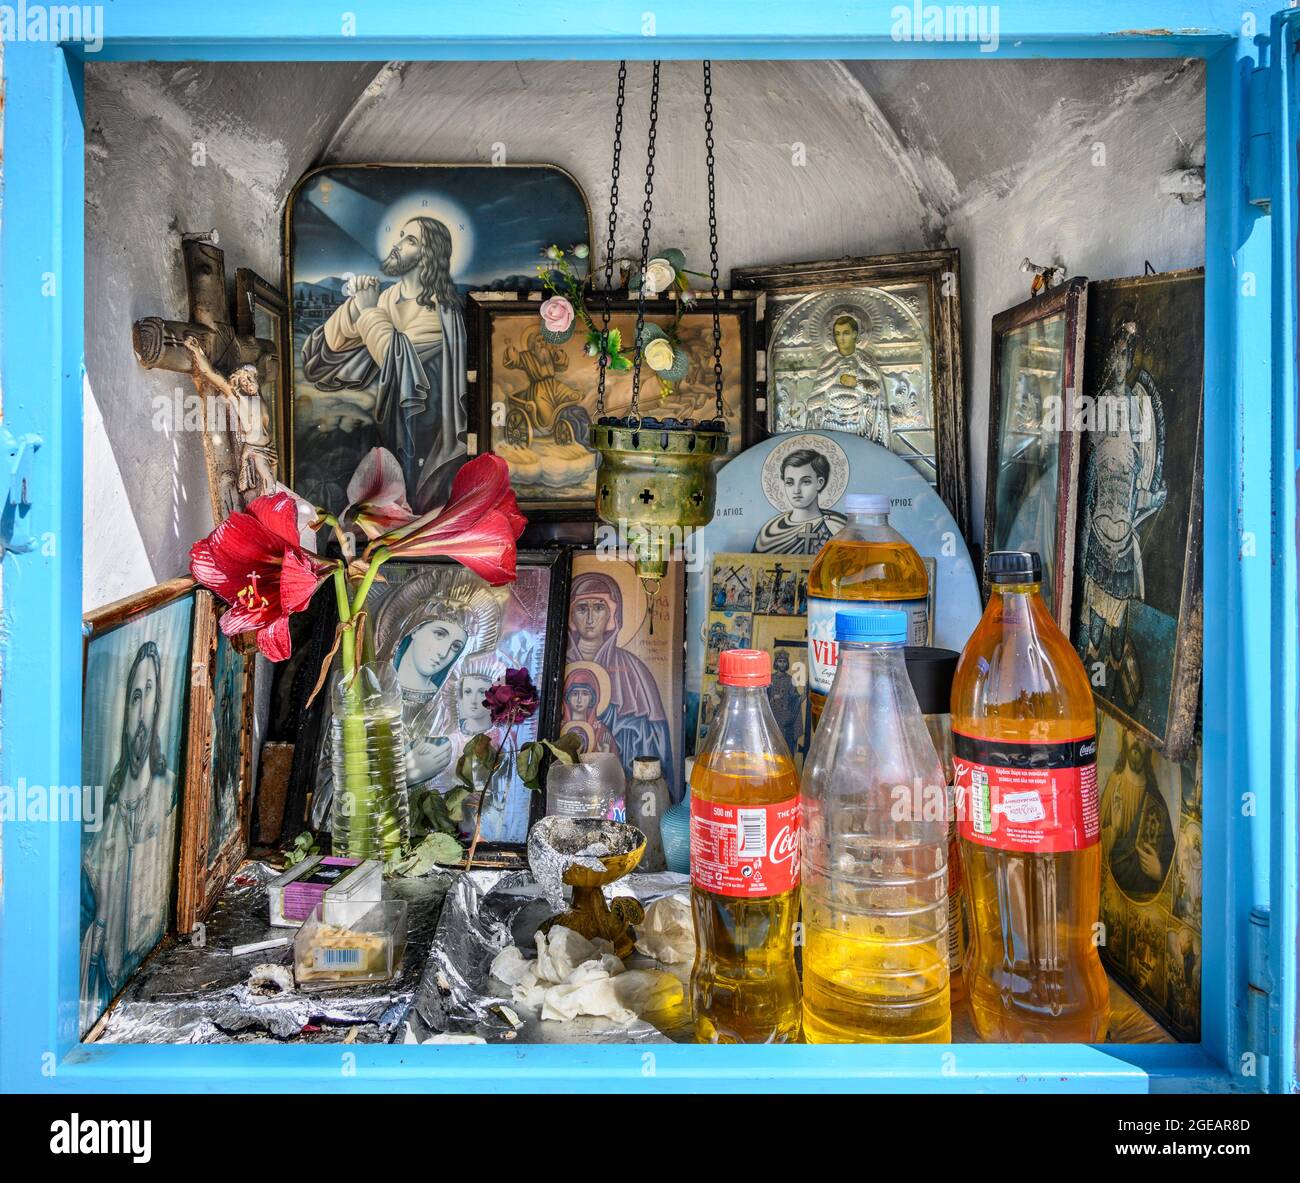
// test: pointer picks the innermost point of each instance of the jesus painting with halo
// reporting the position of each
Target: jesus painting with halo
(406, 344)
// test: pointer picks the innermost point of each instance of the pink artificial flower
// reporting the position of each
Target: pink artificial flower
(557, 314)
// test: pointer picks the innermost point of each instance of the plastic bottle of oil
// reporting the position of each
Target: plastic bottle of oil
(868, 564)
(744, 866)
(1024, 758)
(931, 672)
(875, 852)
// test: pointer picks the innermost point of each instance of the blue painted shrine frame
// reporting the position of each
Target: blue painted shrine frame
(1250, 461)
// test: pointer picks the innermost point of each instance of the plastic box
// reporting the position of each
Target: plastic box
(368, 949)
(345, 888)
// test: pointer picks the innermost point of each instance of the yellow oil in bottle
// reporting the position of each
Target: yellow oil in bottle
(868, 564)
(844, 1002)
(745, 890)
(1032, 970)
(874, 871)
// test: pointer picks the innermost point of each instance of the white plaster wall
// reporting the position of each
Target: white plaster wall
(1057, 162)
(815, 160)
(173, 148)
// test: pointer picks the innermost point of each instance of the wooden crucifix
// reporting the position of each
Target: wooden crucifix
(225, 364)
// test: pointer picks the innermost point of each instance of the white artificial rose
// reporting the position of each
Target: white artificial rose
(659, 276)
(659, 354)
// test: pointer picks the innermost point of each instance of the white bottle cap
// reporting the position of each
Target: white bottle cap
(866, 503)
(646, 768)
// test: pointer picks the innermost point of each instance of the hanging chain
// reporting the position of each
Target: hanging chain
(713, 237)
(609, 245)
(635, 411)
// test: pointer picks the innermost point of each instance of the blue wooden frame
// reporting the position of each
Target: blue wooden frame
(1251, 691)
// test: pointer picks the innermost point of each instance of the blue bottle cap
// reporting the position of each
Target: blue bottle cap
(872, 626)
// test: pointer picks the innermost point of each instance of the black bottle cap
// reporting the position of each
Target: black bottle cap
(931, 671)
(1014, 566)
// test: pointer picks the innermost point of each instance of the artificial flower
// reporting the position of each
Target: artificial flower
(557, 314)
(581, 251)
(478, 526)
(377, 495)
(513, 700)
(553, 252)
(254, 562)
(659, 354)
(659, 276)
(618, 360)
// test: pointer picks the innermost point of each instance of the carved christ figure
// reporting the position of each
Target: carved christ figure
(254, 445)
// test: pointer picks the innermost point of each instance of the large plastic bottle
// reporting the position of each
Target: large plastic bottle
(931, 672)
(868, 564)
(875, 852)
(1025, 764)
(744, 865)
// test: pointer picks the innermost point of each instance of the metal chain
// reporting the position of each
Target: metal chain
(645, 240)
(610, 243)
(713, 236)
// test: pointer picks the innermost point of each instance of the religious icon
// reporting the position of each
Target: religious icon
(137, 677)
(405, 344)
(537, 399)
(1138, 593)
(727, 630)
(802, 479)
(218, 790)
(1035, 416)
(381, 260)
(261, 312)
(778, 502)
(228, 733)
(1151, 874)
(451, 638)
(1136, 821)
(871, 347)
(588, 697)
(622, 679)
(774, 619)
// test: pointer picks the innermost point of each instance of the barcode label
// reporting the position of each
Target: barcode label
(752, 827)
(336, 958)
(981, 802)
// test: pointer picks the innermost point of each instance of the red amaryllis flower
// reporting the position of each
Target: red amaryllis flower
(478, 526)
(253, 561)
(377, 495)
(513, 700)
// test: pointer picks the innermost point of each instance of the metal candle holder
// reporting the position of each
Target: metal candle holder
(658, 480)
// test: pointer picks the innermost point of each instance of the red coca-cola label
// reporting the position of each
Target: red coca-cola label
(1027, 796)
(745, 850)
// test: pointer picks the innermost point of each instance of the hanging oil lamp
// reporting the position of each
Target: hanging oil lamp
(656, 478)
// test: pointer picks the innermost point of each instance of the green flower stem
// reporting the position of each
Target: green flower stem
(364, 734)
(328, 519)
(356, 781)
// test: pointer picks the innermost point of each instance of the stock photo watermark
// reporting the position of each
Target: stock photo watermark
(946, 22)
(58, 23)
(81, 804)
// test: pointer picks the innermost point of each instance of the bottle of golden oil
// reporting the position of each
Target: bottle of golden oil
(745, 866)
(868, 564)
(1025, 763)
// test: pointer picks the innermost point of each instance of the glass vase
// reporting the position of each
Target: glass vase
(369, 817)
